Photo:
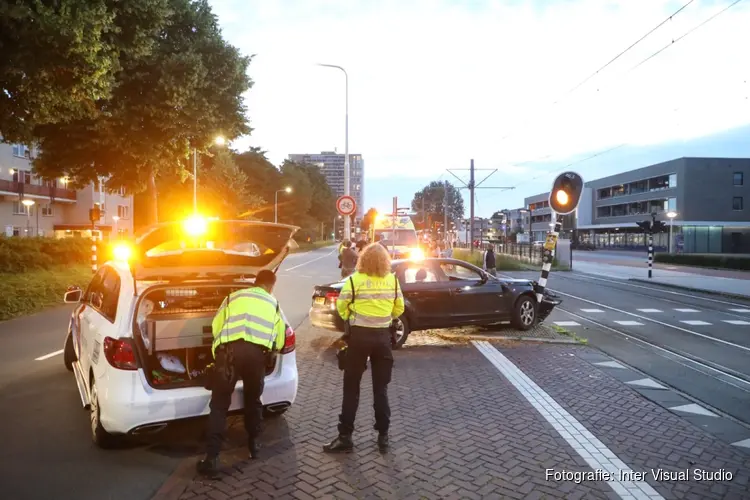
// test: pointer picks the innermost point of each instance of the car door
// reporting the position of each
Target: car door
(473, 298)
(85, 318)
(428, 294)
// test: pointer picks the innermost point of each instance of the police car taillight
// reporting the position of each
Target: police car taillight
(290, 339)
(119, 354)
(332, 297)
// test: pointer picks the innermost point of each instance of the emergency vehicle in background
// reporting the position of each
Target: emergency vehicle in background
(398, 234)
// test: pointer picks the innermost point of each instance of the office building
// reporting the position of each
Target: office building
(705, 195)
(31, 206)
(332, 166)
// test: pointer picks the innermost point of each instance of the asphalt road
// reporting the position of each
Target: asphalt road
(696, 343)
(46, 447)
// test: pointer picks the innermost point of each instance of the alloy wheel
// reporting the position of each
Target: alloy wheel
(94, 409)
(527, 313)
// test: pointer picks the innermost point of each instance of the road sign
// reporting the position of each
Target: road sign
(346, 205)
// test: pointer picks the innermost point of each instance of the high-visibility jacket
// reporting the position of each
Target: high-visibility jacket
(251, 314)
(377, 301)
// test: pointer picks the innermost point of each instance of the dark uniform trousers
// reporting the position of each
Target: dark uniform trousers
(249, 363)
(373, 343)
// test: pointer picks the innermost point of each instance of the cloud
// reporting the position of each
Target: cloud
(433, 84)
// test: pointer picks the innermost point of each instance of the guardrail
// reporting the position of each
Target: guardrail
(51, 192)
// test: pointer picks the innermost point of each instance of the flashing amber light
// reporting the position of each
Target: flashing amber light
(416, 254)
(195, 226)
(122, 252)
(562, 197)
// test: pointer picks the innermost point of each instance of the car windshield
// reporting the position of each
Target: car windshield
(406, 238)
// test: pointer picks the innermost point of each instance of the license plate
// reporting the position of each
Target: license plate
(320, 300)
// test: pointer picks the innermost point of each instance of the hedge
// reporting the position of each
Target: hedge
(20, 255)
(502, 262)
(712, 261)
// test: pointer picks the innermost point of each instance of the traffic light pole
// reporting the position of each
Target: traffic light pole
(94, 266)
(651, 245)
(548, 256)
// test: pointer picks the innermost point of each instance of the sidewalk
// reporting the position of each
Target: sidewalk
(474, 421)
(711, 284)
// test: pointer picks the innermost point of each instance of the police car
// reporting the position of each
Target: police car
(139, 340)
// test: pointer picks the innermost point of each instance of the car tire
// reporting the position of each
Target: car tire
(100, 436)
(525, 313)
(406, 331)
(69, 352)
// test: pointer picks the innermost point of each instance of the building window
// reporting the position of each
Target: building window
(671, 205)
(47, 210)
(672, 180)
(21, 209)
(19, 150)
(123, 211)
(739, 179)
(17, 231)
(22, 176)
(737, 203)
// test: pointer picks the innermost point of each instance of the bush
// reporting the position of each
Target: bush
(38, 289)
(714, 261)
(19, 255)
(502, 262)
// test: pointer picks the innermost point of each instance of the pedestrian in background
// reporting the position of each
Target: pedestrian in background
(489, 261)
(369, 302)
(349, 259)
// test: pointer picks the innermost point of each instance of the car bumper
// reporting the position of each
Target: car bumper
(326, 318)
(130, 405)
(547, 305)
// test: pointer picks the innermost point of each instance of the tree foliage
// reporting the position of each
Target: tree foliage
(311, 201)
(59, 60)
(177, 97)
(264, 179)
(433, 196)
(369, 219)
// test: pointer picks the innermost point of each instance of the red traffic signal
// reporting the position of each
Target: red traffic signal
(566, 193)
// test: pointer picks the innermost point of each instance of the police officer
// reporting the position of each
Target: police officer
(370, 300)
(248, 325)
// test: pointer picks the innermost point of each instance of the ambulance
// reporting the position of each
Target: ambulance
(398, 234)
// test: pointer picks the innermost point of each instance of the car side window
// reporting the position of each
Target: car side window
(94, 287)
(416, 274)
(457, 272)
(110, 289)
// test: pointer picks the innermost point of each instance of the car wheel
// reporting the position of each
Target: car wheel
(69, 352)
(524, 316)
(402, 331)
(101, 437)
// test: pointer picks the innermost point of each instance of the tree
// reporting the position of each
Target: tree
(178, 97)
(433, 196)
(311, 202)
(59, 59)
(368, 220)
(264, 179)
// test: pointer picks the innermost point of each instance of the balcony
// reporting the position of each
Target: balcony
(35, 190)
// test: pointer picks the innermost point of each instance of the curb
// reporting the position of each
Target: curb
(178, 481)
(736, 296)
(490, 338)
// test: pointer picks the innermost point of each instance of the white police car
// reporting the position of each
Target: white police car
(139, 340)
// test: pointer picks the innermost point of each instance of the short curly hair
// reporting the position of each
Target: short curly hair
(374, 261)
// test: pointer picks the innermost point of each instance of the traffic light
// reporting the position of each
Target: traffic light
(645, 225)
(95, 213)
(566, 193)
(659, 226)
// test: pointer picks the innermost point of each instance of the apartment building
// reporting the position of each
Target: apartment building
(30, 206)
(705, 196)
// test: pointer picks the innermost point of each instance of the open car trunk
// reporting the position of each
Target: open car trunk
(172, 329)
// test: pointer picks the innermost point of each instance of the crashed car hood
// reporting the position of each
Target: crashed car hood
(224, 247)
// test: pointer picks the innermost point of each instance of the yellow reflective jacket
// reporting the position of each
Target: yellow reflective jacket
(251, 314)
(377, 301)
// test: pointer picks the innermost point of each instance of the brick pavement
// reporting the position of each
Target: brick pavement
(460, 430)
(643, 434)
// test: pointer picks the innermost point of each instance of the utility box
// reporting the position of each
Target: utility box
(564, 253)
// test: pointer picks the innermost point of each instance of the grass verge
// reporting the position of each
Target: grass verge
(568, 333)
(33, 291)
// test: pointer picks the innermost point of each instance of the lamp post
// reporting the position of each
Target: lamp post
(671, 216)
(347, 220)
(219, 141)
(276, 202)
(116, 218)
(28, 204)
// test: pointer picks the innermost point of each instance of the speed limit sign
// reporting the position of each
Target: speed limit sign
(346, 205)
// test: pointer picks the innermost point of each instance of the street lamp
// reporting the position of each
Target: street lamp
(116, 218)
(219, 141)
(28, 204)
(347, 220)
(671, 215)
(287, 189)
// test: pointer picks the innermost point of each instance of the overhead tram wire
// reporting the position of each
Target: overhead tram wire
(592, 75)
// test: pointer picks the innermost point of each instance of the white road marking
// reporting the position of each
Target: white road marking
(567, 323)
(588, 446)
(50, 355)
(708, 337)
(745, 443)
(736, 322)
(695, 322)
(629, 323)
(740, 310)
(610, 364)
(650, 310)
(694, 409)
(592, 310)
(309, 261)
(647, 383)
(687, 310)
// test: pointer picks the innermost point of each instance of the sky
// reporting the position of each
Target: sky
(434, 84)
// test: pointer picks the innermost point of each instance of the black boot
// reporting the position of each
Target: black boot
(208, 467)
(342, 444)
(252, 446)
(383, 443)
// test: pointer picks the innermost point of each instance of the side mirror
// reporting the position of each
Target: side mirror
(73, 295)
